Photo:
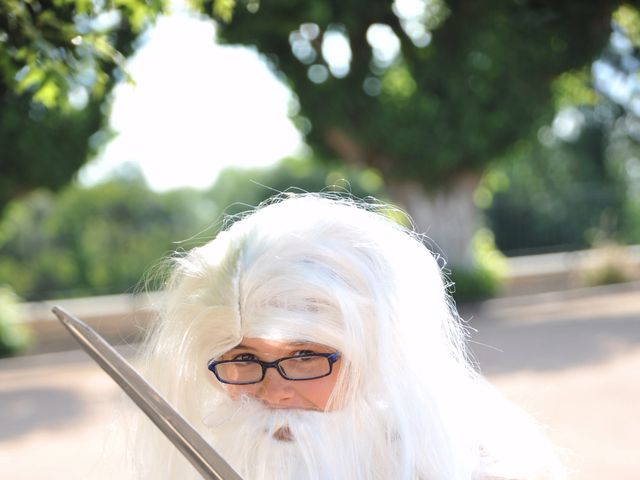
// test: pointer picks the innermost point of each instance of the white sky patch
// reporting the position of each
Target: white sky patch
(568, 124)
(196, 108)
(385, 44)
(409, 8)
(337, 52)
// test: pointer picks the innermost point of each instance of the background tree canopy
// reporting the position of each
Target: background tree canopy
(416, 100)
(59, 51)
(102, 239)
(429, 93)
(58, 61)
(424, 94)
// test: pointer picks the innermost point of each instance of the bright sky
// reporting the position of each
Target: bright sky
(196, 107)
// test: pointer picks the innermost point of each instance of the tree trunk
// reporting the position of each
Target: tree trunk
(448, 217)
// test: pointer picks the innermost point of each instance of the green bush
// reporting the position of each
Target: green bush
(485, 278)
(631, 233)
(99, 240)
(606, 264)
(557, 195)
(103, 239)
(14, 336)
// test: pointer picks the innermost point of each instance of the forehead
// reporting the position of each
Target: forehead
(269, 346)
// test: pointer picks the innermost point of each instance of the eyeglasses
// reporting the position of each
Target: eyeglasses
(301, 367)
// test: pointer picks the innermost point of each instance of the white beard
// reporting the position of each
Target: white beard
(355, 443)
(267, 444)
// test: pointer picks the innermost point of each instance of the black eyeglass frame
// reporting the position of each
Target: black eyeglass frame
(331, 357)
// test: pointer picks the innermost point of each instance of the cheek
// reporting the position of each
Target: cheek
(313, 394)
(317, 392)
(236, 391)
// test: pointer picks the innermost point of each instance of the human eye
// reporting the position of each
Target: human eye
(244, 357)
(304, 355)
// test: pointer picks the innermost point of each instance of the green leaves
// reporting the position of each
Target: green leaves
(103, 239)
(51, 47)
(223, 9)
(58, 61)
(41, 146)
(398, 84)
(574, 88)
(95, 240)
(470, 79)
(14, 336)
(628, 18)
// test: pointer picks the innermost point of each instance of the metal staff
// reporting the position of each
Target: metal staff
(180, 432)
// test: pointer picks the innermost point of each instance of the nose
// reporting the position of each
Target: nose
(274, 390)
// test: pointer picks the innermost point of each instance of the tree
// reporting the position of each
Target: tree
(237, 190)
(59, 51)
(58, 61)
(562, 194)
(103, 239)
(95, 240)
(40, 146)
(428, 97)
(578, 186)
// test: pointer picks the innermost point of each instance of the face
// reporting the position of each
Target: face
(274, 390)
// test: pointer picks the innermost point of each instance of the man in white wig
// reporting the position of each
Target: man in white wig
(314, 339)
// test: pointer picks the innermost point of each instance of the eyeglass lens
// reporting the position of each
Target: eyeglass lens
(298, 368)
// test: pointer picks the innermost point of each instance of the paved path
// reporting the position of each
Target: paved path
(572, 360)
(574, 363)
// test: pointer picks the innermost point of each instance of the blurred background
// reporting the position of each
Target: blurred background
(502, 128)
(509, 130)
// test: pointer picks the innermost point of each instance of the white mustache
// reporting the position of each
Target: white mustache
(285, 444)
(279, 424)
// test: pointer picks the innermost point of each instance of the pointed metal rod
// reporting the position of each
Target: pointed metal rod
(175, 427)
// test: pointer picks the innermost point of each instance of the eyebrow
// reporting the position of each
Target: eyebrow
(242, 346)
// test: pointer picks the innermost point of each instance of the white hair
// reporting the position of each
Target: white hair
(407, 403)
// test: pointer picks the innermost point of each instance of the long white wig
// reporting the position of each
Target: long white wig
(407, 403)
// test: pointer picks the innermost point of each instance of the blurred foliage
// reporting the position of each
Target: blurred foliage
(58, 61)
(41, 147)
(627, 17)
(607, 264)
(574, 88)
(487, 276)
(104, 239)
(624, 162)
(59, 51)
(464, 81)
(555, 194)
(427, 92)
(238, 190)
(93, 240)
(578, 184)
(631, 212)
(424, 96)
(14, 336)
